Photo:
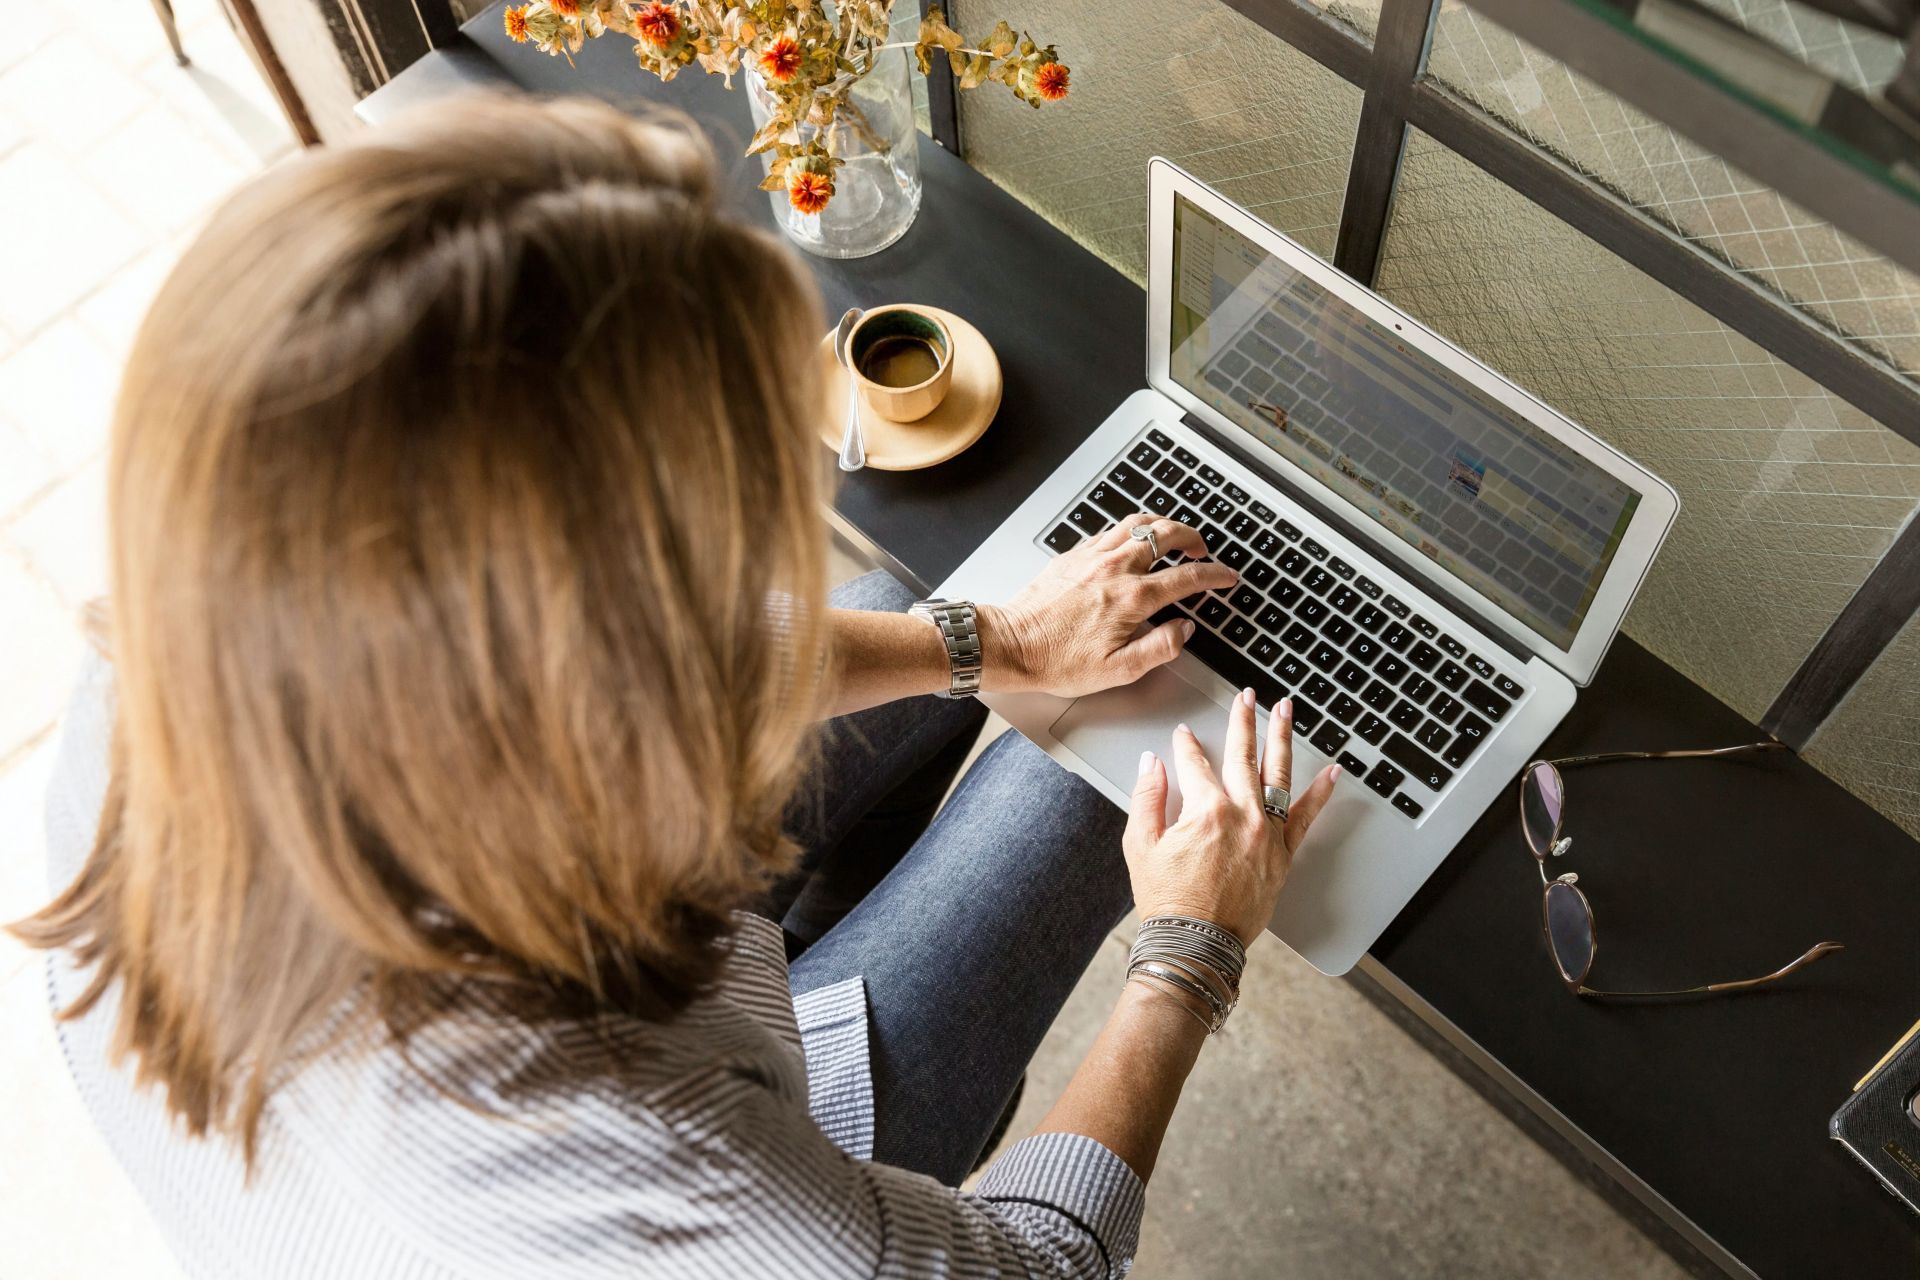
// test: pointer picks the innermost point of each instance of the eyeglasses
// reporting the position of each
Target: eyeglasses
(1565, 914)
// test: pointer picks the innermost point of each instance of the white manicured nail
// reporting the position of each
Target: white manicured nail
(1146, 761)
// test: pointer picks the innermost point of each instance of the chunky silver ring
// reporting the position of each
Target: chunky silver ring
(1144, 533)
(1275, 801)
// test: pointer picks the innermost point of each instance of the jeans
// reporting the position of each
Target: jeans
(970, 925)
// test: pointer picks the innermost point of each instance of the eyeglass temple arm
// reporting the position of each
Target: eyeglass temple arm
(1607, 757)
(1715, 988)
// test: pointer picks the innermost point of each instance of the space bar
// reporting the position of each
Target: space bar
(1234, 667)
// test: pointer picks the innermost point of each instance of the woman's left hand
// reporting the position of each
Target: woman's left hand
(1072, 630)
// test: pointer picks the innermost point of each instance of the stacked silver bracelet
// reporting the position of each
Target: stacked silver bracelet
(1195, 957)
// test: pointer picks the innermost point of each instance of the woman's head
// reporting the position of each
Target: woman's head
(467, 591)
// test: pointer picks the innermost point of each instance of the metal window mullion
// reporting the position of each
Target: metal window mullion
(1399, 53)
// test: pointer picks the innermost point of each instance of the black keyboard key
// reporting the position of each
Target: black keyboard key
(1432, 736)
(1338, 630)
(1396, 606)
(1456, 754)
(1384, 778)
(1234, 667)
(1352, 675)
(1444, 708)
(1424, 627)
(1169, 473)
(1239, 630)
(1484, 700)
(1451, 675)
(1242, 525)
(1265, 651)
(1233, 555)
(1364, 649)
(1130, 481)
(1317, 690)
(1064, 538)
(1407, 805)
(1314, 549)
(1216, 508)
(1479, 666)
(1271, 620)
(1293, 564)
(1188, 516)
(1352, 764)
(1087, 520)
(1214, 612)
(1161, 440)
(1194, 491)
(1268, 544)
(1259, 573)
(1318, 580)
(1391, 669)
(1144, 456)
(1368, 587)
(1329, 739)
(1420, 766)
(1288, 530)
(1264, 513)
(1287, 592)
(1404, 715)
(1341, 569)
(1418, 688)
(1185, 456)
(1423, 655)
(1343, 599)
(1110, 500)
(1344, 708)
(1395, 637)
(1451, 647)
(1372, 728)
(1247, 600)
(1293, 670)
(1160, 502)
(1473, 729)
(1238, 494)
(1369, 617)
(1214, 536)
(1324, 656)
(1312, 611)
(1379, 696)
(1298, 638)
(1211, 476)
(1305, 716)
(1508, 687)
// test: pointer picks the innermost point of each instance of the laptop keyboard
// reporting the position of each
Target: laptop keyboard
(1399, 703)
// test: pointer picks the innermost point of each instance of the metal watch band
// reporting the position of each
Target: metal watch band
(955, 619)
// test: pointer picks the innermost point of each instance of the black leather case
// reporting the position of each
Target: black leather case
(1880, 1123)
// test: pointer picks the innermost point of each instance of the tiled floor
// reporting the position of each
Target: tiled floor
(109, 155)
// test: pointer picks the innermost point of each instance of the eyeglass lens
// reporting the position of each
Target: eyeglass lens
(1569, 930)
(1540, 800)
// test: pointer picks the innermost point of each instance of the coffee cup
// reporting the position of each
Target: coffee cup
(902, 360)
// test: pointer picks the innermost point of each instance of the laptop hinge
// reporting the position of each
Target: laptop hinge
(1427, 582)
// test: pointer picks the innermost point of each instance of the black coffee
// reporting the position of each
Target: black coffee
(900, 360)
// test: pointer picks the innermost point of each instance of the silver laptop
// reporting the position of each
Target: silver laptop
(1431, 560)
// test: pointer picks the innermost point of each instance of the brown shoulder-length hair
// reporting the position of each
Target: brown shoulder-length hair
(467, 605)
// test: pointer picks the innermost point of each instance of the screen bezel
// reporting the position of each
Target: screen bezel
(1646, 530)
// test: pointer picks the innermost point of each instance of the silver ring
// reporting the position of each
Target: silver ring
(1275, 801)
(1144, 533)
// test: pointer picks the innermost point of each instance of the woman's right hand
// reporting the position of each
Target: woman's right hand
(1225, 859)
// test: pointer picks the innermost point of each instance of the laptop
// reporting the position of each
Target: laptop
(1432, 561)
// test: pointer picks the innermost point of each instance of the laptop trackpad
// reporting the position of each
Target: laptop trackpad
(1109, 730)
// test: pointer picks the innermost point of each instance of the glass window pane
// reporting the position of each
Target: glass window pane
(1209, 90)
(1855, 56)
(1788, 494)
(1846, 286)
(1872, 741)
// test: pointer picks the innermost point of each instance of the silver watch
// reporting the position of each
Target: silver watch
(956, 621)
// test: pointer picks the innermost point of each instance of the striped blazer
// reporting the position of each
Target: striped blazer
(732, 1143)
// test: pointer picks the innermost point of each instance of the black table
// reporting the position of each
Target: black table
(1713, 1114)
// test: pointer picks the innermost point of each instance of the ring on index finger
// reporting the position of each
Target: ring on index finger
(1144, 533)
(1275, 800)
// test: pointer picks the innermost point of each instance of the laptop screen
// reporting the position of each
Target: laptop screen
(1490, 498)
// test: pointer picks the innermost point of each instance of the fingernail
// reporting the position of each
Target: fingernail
(1246, 695)
(1182, 728)
(1286, 706)
(1333, 774)
(1186, 630)
(1146, 762)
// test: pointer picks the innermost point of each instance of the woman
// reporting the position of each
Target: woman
(468, 644)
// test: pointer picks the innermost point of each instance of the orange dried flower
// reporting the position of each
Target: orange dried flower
(657, 24)
(516, 18)
(565, 8)
(781, 60)
(808, 191)
(1051, 81)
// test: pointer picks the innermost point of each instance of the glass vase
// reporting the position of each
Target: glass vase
(876, 192)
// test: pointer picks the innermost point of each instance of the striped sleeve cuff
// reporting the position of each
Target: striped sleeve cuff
(1079, 1177)
(833, 1036)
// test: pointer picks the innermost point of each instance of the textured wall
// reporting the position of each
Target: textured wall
(1872, 743)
